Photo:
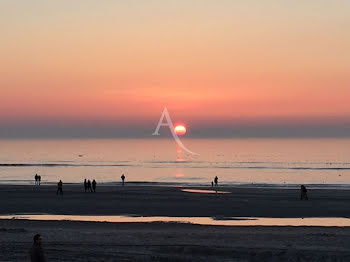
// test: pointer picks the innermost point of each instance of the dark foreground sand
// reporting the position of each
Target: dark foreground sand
(88, 241)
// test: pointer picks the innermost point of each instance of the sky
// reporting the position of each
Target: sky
(223, 68)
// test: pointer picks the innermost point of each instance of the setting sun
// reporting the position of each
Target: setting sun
(180, 130)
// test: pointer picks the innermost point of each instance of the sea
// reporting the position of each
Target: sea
(161, 161)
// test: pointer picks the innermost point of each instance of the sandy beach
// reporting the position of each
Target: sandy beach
(171, 201)
(92, 241)
(86, 241)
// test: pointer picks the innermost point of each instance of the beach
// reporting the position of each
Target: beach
(101, 241)
(150, 200)
(86, 241)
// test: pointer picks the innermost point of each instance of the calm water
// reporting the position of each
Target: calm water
(234, 161)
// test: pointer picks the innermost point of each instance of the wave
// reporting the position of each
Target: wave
(285, 168)
(62, 165)
(171, 164)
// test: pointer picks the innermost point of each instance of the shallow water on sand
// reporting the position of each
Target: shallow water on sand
(234, 161)
(204, 191)
(214, 221)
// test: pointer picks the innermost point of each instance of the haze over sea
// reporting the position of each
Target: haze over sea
(321, 162)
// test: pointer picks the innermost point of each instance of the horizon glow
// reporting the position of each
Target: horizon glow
(235, 64)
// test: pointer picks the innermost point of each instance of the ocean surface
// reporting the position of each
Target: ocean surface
(283, 162)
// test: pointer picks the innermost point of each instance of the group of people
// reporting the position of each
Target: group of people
(37, 180)
(87, 185)
(91, 186)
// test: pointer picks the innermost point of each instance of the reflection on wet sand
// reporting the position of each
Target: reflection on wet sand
(203, 191)
(215, 221)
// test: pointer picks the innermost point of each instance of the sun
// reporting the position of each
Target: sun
(180, 130)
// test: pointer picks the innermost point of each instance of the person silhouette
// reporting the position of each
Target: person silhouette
(94, 185)
(303, 193)
(36, 252)
(123, 178)
(212, 184)
(216, 181)
(59, 188)
(36, 179)
(85, 184)
(89, 186)
(39, 180)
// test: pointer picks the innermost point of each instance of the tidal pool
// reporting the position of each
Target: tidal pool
(214, 221)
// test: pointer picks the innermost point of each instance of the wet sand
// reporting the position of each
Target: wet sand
(171, 201)
(92, 241)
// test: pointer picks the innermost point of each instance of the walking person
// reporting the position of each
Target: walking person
(216, 181)
(59, 188)
(94, 185)
(36, 179)
(39, 180)
(36, 252)
(89, 186)
(123, 178)
(303, 193)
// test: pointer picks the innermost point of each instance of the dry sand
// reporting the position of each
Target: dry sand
(89, 241)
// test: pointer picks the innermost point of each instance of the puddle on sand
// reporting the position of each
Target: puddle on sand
(215, 221)
(204, 191)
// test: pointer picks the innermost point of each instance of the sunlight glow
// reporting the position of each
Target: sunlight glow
(180, 130)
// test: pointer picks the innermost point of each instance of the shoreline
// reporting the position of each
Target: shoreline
(4, 183)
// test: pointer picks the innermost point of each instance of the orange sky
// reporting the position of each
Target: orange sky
(207, 61)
